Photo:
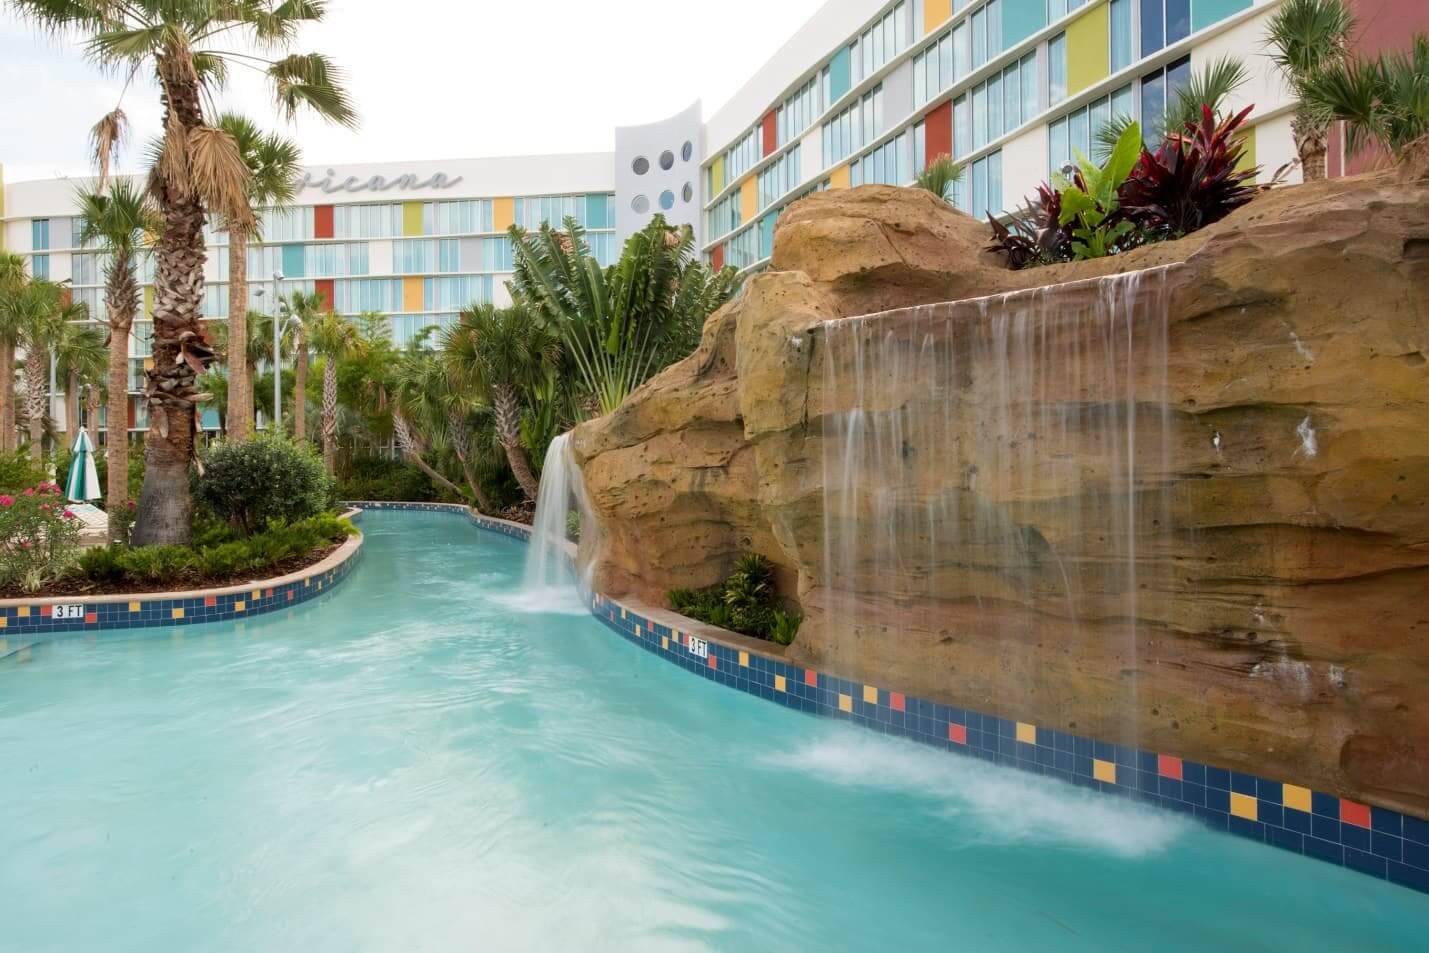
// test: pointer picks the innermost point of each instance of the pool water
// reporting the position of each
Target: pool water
(413, 762)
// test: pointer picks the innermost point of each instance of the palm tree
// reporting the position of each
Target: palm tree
(1383, 100)
(939, 176)
(1211, 86)
(13, 278)
(188, 45)
(498, 352)
(80, 361)
(273, 167)
(413, 409)
(308, 310)
(120, 220)
(38, 313)
(335, 339)
(1308, 37)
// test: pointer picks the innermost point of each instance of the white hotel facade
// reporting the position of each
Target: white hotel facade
(867, 91)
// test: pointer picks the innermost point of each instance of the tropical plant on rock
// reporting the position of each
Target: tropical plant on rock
(1382, 101)
(619, 325)
(119, 219)
(939, 177)
(1307, 38)
(273, 168)
(188, 45)
(1091, 203)
(1194, 179)
(1036, 235)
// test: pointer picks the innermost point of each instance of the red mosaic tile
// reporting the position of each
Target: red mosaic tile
(91, 617)
(210, 601)
(1168, 767)
(290, 595)
(811, 677)
(45, 612)
(1352, 813)
(713, 662)
(957, 734)
(896, 701)
(268, 593)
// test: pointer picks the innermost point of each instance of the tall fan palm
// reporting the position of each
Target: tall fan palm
(1384, 100)
(1306, 38)
(12, 280)
(188, 45)
(80, 358)
(335, 339)
(273, 168)
(39, 313)
(498, 352)
(939, 176)
(308, 309)
(120, 221)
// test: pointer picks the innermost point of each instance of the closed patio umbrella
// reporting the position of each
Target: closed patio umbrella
(82, 482)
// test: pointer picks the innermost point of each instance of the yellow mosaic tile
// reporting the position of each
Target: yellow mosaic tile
(133, 607)
(744, 660)
(178, 612)
(3, 622)
(664, 643)
(637, 631)
(1296, 797)
(845, 702)
(870, 694)
(1243, 805)
(238, 606)
(1104, 770)
(23, 612)
(779, 684)
(1026, 733)
(257, 594)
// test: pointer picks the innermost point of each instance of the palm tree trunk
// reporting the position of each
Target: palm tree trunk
(330, 416)
(507, 408)
(405, 441)
(180, 350)
(461, 443)
(35, 367)
(7, 395)
(71, 408)
(121, 303)
(240, 382)
(91, 415)
(300, 388)
(1311, 144)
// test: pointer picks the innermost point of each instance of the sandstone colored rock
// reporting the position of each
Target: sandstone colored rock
(1280, 624)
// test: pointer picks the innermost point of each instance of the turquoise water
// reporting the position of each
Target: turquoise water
(413, 764)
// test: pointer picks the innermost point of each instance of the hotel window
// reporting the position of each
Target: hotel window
(93, 301)
(456, 218)
(1077, 131)
(742, 250)
(603, 246)
(1164, 22)
(962, 50)
(933, 69)
(879, 43)
(1121, 55)
(742, 156)
(980, 117)
(962, 126)
(723, 216)
(356, 295)
(337, 260)
(1019, 93)
(366, 221)
(40, 266)
(846, 133)
(889, 164)
(531, 212)
(426, 256)
(799, 111)
(89, 269)
(40, 234)
(778, 178)
(920, 147)
(1157, 89)
(986, 27)
(285, 224)
(979, 193)
(1060, 8)
(496, 254)
(1057, 69)
(215, 301)
(141, 339)
(453, 294)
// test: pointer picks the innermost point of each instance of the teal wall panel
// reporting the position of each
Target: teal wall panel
(1206, 12)
(293, 261)
(766, 234)
(597, 209)
(1021, 19)
(838, 75)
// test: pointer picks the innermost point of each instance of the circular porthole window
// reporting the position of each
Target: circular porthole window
(640, 166)
(687, 151)
(667, 160)
(688, 193)
(667, 200)
(640, 204)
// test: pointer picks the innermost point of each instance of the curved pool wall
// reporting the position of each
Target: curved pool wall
(1372, 840)
(24, 622)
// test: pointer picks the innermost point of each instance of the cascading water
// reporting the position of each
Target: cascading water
(994, 471)
(550, 583)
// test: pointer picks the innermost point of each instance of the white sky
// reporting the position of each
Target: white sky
(431, 79)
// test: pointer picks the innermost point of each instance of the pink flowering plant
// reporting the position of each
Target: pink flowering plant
(39, 537)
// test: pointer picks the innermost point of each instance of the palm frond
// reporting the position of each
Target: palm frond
(311, 80)
(218, 175)
(939, 176)
(106, 137)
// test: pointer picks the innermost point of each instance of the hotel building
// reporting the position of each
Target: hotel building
(867, 91)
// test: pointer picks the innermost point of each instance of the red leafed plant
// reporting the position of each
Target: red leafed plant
(1191, 180)
(1035, 235)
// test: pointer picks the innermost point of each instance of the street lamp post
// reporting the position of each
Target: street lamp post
(277, 357)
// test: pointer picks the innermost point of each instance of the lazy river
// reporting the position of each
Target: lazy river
(419, 761)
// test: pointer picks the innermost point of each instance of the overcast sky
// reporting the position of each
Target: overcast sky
(431, 79)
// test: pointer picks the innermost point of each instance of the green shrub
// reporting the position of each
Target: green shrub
(745, 602)
(379, 479)
(261, 481)
(159, 564)
(18, 471)
(227, 559)
(102, 564)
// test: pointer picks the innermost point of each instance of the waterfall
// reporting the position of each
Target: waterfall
(550, 583)
(994, 471)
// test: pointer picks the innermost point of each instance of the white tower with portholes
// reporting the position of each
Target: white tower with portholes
(657, 169)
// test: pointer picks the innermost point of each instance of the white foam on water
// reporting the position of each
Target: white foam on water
(548, 600)
(1004, 805)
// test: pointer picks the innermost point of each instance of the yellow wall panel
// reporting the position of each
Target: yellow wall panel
(717, 176)
(148, 301)
(748, 200)
(934, 13)
(411, 218)
(412, 294)
(1089, 48)
(1247, 158)
(503, 213)
(839, 178)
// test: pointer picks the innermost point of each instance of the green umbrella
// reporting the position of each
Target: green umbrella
(82, 483)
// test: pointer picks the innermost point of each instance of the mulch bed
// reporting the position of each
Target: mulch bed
(83, 587)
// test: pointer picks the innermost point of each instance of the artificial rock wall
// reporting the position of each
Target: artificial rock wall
(1283, 622)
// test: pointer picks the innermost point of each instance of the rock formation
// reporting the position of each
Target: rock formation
(1281, 620)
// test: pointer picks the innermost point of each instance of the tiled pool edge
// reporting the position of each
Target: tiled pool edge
(26, 622)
